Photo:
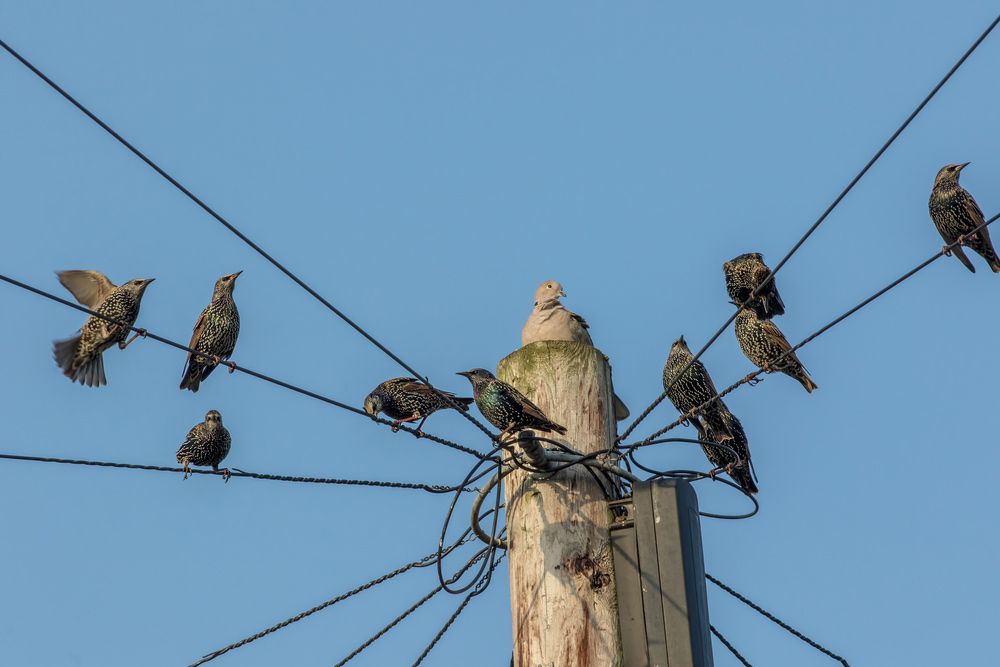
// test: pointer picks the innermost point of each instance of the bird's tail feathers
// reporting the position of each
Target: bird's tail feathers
(462, 402)
(552, 426)
(64, 352)
(957, 251)
(743, 475)
(621, 410)
(807, 381)
(90, 373)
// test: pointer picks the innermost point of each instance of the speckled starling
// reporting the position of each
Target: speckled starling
(740, 468)
(407, 400)
(550, 320)
(80, 357)
(215, 334)
(694, 388)
(955, 214)
(506, 407)
(763, 342)
(207, 444)
(746, 273)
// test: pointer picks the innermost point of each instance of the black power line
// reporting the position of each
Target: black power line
(232, 228)
(422, 562)
(732, 649)
(235, 367)
(752, 378)
(778, 621)
(815, 225)
(236, 472)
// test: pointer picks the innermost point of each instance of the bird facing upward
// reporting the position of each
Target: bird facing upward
(215, 334)
(80, 357)
(550, 320)
(956, 214)
(505, 407)
(407, 400)
(207, 444)
(694, 388)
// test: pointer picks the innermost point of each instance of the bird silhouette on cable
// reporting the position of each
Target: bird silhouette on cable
(408, 399)
(956, 214)
(214, 335)
(746, 273)
(81, 357)
(764, 345)
(207, 444)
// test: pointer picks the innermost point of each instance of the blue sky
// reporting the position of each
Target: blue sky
(424, 167)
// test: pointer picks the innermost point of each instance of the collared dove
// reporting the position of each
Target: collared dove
(549, 320)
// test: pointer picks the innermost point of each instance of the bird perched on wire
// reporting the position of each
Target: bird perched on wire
(763, 342)
(505, 407)
(207, 444)
(688, 392)
(744, 274)
(550, 320)
(956, 214)
(215, 334)
(740, 466)
(80, 357)
(408, 399)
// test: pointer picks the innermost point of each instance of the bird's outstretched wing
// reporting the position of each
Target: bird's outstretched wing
(89, 287)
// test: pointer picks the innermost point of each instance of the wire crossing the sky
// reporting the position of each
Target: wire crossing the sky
(752, 377)
(236, 472)
(732, 649)
(232, 228)
(774, 619)
(829, 209)
(235, 367)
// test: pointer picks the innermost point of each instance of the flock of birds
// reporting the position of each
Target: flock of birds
(749, 282)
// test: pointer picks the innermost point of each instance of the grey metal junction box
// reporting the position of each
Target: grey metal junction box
(660, 575)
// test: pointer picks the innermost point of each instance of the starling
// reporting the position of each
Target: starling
(207, 444)
(763, 342)
(506, 407)
(550, 320)
(739, 468)
(80, 357)
(215, 334)
(407, 400)
(746, 273)
(694, 388)
(955, 214)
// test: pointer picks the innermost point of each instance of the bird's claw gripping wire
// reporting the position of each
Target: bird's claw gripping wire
(187, 471)
(753, 379)
(225, 475)
(138, 332)
(232, 366)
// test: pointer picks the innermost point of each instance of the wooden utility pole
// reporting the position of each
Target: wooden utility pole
(562, 583)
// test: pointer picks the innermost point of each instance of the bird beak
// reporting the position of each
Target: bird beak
(149, 280)
(236, 275)
(562, 293)
(963, 166)
(463, 373)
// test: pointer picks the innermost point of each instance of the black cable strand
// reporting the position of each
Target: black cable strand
(815, 225)
(752, 377)
(480, 588)
(243, 237)
(771, 617)
(236, 472)
(423, 562)
(235, 367)
(482, 553)
(732, 649)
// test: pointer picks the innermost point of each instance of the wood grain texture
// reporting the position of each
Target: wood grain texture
(563, 604)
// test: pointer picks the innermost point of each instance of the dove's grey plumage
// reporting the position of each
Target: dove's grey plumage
(80, 357)
(550, 320)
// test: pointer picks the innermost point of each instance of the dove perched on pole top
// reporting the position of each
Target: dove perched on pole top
(550, 320)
